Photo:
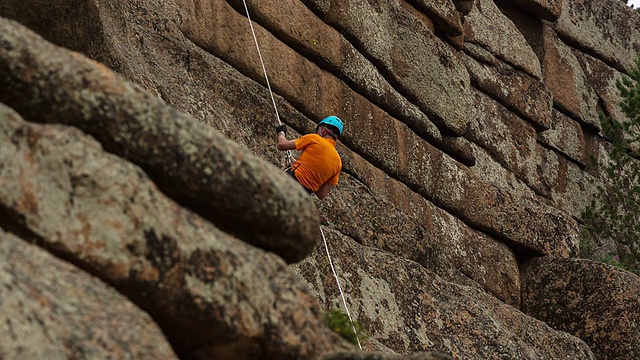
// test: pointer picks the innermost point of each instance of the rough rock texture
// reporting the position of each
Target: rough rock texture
(197, 166)
(53, 310)
(610, 32)
(516, 90)
(510, 140)
(454, 319)
(105, 214)
(470, 129)
(599, 303)
(568, 181)
(566, 137)
(486, 26)
(566, 80)
(472, 254)
(433, 83)
(601, 81)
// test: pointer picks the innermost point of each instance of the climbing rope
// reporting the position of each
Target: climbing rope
(290, 162)
(335, 275)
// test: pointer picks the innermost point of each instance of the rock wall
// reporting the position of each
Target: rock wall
(138, 148)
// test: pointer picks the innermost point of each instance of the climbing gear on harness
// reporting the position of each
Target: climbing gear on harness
(333, 121)
(281, 129)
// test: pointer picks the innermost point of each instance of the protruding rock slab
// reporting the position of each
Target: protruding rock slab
(50, 309)
(609, 31)
(596, 302)
(211, 293)
(408, 308)
(196, 165)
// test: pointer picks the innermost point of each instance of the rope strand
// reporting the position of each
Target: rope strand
(264, 69)
(289, 159)
(344, 301)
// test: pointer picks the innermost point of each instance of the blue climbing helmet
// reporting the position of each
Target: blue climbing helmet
(333, 121)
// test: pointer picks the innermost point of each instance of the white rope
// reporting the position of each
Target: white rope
(289, 159)
(344, 301)
(264, 69)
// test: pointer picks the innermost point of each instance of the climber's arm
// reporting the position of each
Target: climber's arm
(284, 144)
(324, 190)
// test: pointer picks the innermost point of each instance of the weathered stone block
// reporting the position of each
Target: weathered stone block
(390, 295)
(609, 32)
(193, 163)
(488, 27)
(509, 139)
(566, 135)
(565, 79)
(212, 294)
(50, 309)
(588, 299)
(517, 91)
(425, 70)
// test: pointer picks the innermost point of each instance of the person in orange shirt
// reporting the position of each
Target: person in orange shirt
(319, 165)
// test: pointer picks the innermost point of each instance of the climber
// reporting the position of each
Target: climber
(319, 165)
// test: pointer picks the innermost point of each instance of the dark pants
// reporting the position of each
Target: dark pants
(293, 174)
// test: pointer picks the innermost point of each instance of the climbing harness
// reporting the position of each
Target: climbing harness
(289, 162)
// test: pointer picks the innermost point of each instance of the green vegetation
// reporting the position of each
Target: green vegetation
(339, 322)
(614, 215)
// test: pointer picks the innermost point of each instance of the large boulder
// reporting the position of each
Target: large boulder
(596, 302)
(211, 293)
(50, 309)
(196, 165)
(408, 308)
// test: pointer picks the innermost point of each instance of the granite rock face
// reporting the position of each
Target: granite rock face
(105, 215)
(195, 165)
(595, 305)
(52, 309)
(406, 304)
(138, 147)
